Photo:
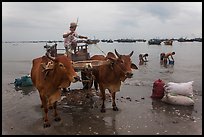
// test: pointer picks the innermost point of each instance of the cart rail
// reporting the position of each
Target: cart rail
(89, 64)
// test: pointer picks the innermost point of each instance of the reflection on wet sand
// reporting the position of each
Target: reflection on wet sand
(80, 115)
(83, 106)
(172, 112)
(25, 90)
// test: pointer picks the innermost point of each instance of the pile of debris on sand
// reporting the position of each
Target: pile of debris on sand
(81, 97)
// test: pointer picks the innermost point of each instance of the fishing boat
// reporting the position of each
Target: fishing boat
(168, 42)
(154, 42)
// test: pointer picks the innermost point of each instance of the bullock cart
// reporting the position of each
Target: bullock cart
(81, 62)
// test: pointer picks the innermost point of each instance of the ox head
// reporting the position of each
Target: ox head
(125, 64)
(63, 70)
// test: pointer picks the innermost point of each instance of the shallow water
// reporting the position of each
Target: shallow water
(187, 67)
(140, 115)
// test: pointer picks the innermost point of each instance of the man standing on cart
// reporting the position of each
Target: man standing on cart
(70, 39)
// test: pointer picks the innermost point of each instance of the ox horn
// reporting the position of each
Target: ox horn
(117, 53)
(131, 53)
(49, 56)
(120, 55)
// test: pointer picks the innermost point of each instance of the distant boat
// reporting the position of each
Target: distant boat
(185, 40)
(49, 41)
(154, 42)
(107, 40)
(95, 41)
(103, 40)
(168, 42)
(141, 40)
(125, 40)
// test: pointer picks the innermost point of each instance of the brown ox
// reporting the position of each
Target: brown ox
(49, 75)
(109, 76)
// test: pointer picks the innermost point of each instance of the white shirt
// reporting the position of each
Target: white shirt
(71, 38)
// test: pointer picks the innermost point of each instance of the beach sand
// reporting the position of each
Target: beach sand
(138, 113)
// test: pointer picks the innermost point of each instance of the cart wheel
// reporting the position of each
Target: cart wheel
(87, 75)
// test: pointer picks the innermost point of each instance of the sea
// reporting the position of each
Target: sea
(187, 65)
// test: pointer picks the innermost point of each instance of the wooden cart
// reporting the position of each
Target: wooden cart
(81, 62)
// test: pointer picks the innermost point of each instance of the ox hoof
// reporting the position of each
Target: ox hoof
(115, 108)
(57, 119)
(103, 110)
(46, 124)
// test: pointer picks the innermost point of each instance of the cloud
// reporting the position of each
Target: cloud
(49, 20)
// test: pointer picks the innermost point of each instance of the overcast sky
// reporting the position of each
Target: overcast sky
(101, 20)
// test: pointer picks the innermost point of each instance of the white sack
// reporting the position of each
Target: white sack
(185, 89)
(178, 100)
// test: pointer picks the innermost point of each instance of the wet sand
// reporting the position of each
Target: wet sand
(138, 113)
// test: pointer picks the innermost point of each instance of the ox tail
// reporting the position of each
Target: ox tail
(96, 85)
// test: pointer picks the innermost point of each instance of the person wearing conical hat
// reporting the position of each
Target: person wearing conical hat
(70, 39)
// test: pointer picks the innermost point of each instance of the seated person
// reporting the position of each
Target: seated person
(70, 39)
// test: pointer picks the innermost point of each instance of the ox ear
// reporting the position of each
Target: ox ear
(112, 60)
(133, 66)
(131, 53)
(61, 64)
(117, 53)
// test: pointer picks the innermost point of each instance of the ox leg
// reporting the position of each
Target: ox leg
(50, 107)
(103, 98)
(87, 75)
(41, 98)
(96, 85)
(46, 121)
(115, 108)
(57, 117)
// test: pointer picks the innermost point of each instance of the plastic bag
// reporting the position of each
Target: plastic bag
(24, 81)
(17, 82)
(185, 89)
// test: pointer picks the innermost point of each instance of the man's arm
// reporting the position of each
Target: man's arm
(67, 34)
(145, 59)
(83, 37)
(168, 58)
(172, 58)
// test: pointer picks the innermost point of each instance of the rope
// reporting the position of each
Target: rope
(100, 49)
